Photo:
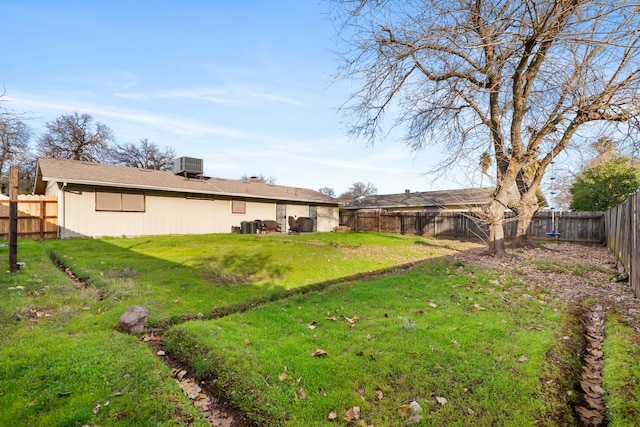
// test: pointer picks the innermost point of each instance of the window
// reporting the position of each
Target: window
(120, 202)
(238, 207)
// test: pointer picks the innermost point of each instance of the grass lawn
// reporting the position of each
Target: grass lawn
(469, 347)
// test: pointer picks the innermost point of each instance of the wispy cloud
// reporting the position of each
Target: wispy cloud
(214, 95)
(177, 125)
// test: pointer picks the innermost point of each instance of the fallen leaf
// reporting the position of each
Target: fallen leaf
(247, 342)
(303, 394)
(441, 400)
(318, 352)
(379, 394)
(523, 358)
(332, 416)
(368, 337)
(96, 409)
(433, 304)
(352, 414)
(477, 307)
(403, 409)
(285, 377)
(312, 325)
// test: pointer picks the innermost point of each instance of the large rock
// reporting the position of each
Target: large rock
(134, 319)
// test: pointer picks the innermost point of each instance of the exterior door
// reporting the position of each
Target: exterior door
(281, 215)
(313, 214)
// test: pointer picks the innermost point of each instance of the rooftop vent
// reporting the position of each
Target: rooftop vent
(187, 166)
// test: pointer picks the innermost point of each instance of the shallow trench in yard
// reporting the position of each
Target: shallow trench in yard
(589, 409)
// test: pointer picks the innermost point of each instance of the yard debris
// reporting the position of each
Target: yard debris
(413, 420)
(523, 358)
(312, 325)
(433, 304)
(352, 414)
(590, 407)
(441, 400)
(332, 416)
(415, 407)
(318, 352)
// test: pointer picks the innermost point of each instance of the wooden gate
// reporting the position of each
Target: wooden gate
(37, 217)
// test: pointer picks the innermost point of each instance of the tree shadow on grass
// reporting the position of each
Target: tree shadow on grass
(234, 268)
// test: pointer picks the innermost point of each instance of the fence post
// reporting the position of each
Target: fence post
(13, 218)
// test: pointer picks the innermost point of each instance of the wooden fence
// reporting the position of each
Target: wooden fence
(571, 226)
(37, 217)
(621, 224)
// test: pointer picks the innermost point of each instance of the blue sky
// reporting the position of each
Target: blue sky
(244, 85)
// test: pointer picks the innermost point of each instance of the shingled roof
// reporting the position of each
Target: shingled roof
(424, 199)
(95, 174)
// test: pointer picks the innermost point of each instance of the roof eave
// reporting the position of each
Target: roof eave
(184, 190)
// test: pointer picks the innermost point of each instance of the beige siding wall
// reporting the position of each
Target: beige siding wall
(165, 213)
(328, 218)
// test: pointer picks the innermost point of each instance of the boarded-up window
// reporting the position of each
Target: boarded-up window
(120, 202)
(238, 207)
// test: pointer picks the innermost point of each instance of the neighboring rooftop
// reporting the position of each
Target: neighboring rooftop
(467, 197)
(87, 173)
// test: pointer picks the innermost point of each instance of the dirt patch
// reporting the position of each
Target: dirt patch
(216, 408)
(569, 272)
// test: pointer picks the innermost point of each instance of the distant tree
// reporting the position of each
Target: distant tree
(359, 189)
(76, 137)
(14, 140)
(15, 136)
(145, 155)
(327, 191)
(605, 185)
(260, 178)
(605, 149)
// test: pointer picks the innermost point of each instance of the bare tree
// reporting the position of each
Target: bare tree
(523, 74)
(14, 140)
(327, 191)
(146, 155)
(259, 178)
(77, 137)
(359, 189)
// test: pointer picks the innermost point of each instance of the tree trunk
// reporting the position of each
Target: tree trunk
(525, 210)
(495, 220)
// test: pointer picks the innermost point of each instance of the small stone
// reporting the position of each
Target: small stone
(161, 353)
(413, 420)
(134, 319)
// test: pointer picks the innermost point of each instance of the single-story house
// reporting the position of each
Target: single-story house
(97, 200)
(467, 199)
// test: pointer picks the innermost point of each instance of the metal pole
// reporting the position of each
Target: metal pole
(13, 219)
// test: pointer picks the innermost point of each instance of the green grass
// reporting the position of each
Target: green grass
(486, 357)
(177, 276)
(52, 374)
(621, 373)
(65, 356)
